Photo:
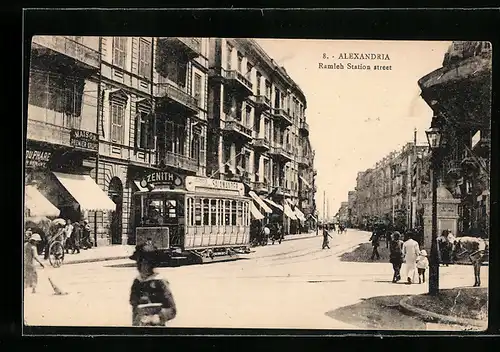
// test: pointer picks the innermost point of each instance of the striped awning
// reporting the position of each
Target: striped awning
(300, 215)
(269, 201)
(289, 212)
(260, 202)
(256, 214)
(37, 204)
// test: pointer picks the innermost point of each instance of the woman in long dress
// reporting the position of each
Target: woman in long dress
(30, 256)
(411, 252)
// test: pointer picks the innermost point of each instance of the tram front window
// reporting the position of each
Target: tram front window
(161, 211)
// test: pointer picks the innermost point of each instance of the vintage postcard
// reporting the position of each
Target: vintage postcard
(257, 183)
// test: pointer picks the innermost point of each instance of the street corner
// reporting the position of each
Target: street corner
(378, 313)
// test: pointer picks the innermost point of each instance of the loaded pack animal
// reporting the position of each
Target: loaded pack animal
(477, 249)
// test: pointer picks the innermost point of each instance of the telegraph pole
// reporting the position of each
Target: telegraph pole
(324, 206)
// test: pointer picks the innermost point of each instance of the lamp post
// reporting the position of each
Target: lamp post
(434, 140)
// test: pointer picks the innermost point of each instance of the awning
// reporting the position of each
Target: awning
(305, 182)
(289, 212)
(312, 217)
(269, 201)
(256, 214)
(37, 204)
(86, 192)
(260, 202)
(299, 214)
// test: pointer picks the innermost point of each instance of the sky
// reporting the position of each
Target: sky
(357, 117)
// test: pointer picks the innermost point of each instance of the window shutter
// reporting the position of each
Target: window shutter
(138, 129)
(150, 131)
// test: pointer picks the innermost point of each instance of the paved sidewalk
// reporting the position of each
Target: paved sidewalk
(98, 254)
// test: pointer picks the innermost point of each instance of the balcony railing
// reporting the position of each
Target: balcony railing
(181, 162)
(303, 160)
(280, 150)
(262, 143)
(282, 114)
(233, 125)
(177, 95)
(263, 102)
(304, 127)
(190, 46)
(261, 186)
(283, 191)
(239, 79)
(70, 48)
(45, 132)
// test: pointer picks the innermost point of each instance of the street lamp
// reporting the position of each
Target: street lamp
(434, 139)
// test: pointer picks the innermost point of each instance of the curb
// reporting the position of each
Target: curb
(440, 317)
(298, 238)
(94, 260)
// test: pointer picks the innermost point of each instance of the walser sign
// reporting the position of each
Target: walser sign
(84, 140)
(164, 178)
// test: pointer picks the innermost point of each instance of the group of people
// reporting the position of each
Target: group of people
(74, 236)
(271, 231)
(409, 253)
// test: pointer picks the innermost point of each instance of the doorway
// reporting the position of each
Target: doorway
(115, 192)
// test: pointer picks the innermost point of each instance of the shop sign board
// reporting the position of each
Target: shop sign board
(203, 184)
(84, 140)
(166, 178)
(37, 158)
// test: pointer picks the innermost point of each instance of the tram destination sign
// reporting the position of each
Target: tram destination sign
(194, 184)
(161, 178)
(84, 140)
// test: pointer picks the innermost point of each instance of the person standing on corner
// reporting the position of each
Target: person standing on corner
(411, 252)
(150, 296)
(325, 238)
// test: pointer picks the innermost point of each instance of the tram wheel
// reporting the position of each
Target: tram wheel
(56, 254)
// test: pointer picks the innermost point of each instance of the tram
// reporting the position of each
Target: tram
(193, 218)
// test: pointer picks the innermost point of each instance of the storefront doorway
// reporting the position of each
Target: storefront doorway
(115, 192)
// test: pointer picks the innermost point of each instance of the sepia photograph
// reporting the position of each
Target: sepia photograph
(257, 183)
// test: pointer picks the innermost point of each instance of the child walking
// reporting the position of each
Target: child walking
(150, 296)
(422, 265)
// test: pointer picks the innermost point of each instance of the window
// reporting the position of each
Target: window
(195, 148)
(248, 74)
(233, 206)
(119, 51)
(239, 213)
(202, 150)
(240, 62)
(229, 56)
(268, 90)
(266, 171)
(248, 112)
(213, 212)
(206, 212)
(277, 99)
(197, 88)
(117, 121)
(144, 129)
(144, 58)
(267, 129)
(175, 136)
(259, 78)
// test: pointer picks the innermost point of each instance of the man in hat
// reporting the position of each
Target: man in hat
(30, 256)
(150, 296)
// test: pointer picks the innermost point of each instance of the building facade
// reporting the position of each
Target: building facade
(110, 110)
(257, 130)
(459, 93)
(391, 191)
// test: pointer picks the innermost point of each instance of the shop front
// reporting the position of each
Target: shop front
(61, 176)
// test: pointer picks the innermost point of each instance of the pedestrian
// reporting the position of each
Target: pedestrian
(325, 238)
(30, 256)
(68, 230)
(76, 237)
(150, 296)
(477, 249)
(422, 265)
(266, 232)
(396, 255)
(86, 241)
(375, 240)
(445, 248)
(411, 251)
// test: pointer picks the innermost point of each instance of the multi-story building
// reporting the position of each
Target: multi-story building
(142, 104)
(386, 191)
(351, 208)
(257, 126)
(459, 93)
(103, 112)
(343, 213)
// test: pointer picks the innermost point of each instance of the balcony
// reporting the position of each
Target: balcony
(304, 128)
(282, 116)
(453, 169)
(303, 161)
(65, 51)
(261, 144)
(283, 191)
(262, 102)
(41, 131)
(181, 162)
(190, 47)
(261, 187)
(483, 146)
(176, 99)
(234, 80)
(281, 152)
(233, 126)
